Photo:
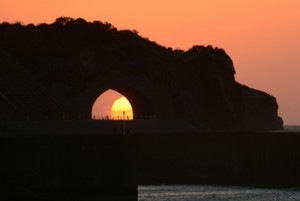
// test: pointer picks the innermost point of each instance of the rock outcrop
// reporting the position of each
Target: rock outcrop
(74, 61)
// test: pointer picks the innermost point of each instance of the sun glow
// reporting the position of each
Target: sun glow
(110, 105)
(121, 109)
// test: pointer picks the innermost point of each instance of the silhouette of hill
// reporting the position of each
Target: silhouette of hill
(70, 57)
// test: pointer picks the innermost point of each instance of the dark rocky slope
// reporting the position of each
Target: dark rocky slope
(68, 58)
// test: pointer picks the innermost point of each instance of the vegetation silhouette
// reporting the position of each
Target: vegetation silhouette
(69, 55)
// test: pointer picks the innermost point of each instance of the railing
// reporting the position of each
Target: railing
(108, 117)
(10, 117)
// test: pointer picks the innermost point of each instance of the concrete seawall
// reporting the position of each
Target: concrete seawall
(67, 167)
(90, 160)
(229, 158)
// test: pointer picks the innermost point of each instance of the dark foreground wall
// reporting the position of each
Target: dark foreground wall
(80, 166)
(65, 167)
(229, 158)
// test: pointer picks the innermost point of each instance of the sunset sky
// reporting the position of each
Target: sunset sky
(262, 37)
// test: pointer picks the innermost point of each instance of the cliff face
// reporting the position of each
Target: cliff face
(218, 100)
(75, 61)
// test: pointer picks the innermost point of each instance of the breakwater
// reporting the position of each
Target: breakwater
(267, 158)
(68, 167)
(93, 160)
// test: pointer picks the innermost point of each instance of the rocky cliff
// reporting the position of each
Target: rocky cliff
(74, 61)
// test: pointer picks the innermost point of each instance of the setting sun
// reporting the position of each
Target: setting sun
(121, 109)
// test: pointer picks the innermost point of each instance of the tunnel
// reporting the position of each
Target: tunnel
(146, 100)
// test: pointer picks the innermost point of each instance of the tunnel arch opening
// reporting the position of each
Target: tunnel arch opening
(138, 105)
(112, 105)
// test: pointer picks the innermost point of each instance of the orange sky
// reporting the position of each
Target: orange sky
(262, 37)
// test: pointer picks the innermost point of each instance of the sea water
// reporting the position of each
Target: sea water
(215, 193)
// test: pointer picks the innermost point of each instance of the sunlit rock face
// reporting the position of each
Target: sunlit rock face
(75, 61)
